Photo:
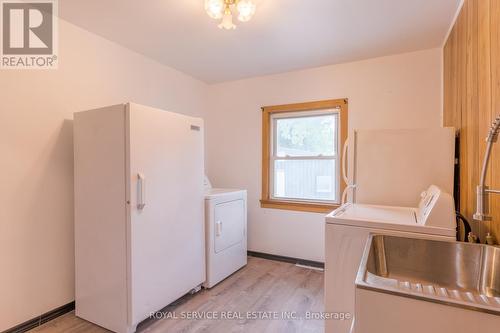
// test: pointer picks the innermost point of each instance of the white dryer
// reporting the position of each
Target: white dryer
(226, 232)
(347, 230)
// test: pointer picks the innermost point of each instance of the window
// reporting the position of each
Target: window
(301, 147)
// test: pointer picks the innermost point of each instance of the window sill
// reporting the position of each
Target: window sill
(298, 206)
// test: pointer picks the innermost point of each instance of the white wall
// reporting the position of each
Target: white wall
(401, 91)
(36, 178)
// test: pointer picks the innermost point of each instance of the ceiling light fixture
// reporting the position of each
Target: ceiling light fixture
(223, 9)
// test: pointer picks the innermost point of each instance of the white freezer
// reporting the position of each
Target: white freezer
(139, 212)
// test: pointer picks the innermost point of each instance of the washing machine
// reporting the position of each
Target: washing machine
(347, 230)
(226, 232)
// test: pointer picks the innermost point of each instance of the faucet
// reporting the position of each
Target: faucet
(482, 189)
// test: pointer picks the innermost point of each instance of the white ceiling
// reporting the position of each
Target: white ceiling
(284, 35)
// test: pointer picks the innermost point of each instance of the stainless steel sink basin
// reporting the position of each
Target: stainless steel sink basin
(455, 273)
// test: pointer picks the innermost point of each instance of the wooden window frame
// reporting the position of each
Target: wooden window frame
(267, 111)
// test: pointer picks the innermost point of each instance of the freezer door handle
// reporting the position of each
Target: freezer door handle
(141, 191)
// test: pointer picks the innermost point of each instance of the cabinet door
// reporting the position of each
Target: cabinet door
(166, 228)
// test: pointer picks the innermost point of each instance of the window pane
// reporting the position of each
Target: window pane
(305, 179)
(306, 136)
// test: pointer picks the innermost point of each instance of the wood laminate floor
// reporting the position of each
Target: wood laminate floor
(251, 297)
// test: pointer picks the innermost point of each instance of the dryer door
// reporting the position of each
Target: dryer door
(229, 225)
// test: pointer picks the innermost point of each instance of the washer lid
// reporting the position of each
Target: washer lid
(384, 214)
(383, 217)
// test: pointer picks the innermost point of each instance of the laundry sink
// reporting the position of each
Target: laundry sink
(443, 270)
(408, 273)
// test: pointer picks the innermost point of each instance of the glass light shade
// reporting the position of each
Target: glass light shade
(214, 8)
(246, 9)
(227, 20)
